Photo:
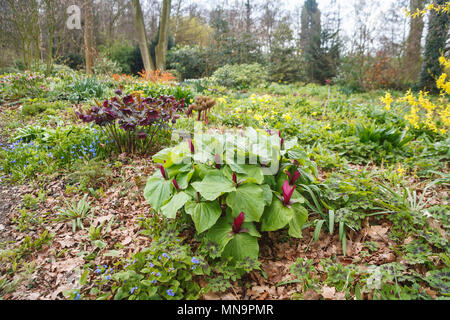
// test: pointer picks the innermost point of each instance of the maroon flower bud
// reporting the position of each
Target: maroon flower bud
(175, 184)
(163, 172)
(287, 193)
(118, 92)
(191, 146)
(217, 161)
(234, 177)
(293, 179)
(237, 223)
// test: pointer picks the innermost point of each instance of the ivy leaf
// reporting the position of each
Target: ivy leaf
(276, 216)
(204, 214)
(248, 198)
(213, 186)
(157, 191)
(171, 208)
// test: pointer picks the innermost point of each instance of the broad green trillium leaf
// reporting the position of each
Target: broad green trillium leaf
(157, 191)
(204, 214)
(248, 198)
(267, 194)
(171, 208)
(241, 246)
(220, 233)
(184, 178)
(276, 216)
(213, 186)
(297, 222)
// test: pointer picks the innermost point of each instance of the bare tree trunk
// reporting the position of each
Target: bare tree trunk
(161, 47)
(50, 9)
(413, 45)
(88, 26)
(177, 19)
(142, 36)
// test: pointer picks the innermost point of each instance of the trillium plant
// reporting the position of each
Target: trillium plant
(231, 195)
(132, 121)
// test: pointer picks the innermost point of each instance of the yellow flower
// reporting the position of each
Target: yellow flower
(257, 117)
(401, 171)
(387, 100)
(287, 117)
(221, 100)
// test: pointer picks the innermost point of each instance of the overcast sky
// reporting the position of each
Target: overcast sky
(377, 7)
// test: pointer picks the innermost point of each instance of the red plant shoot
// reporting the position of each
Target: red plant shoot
(175, 184)
(293, 178)
(237, 223)
(287, 193)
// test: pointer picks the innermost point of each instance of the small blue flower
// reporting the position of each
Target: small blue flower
(151, 265)
(77, 297)
(165, 255)
(195, 260)
(158, 274)
(133, 289)
(170, 292)
(98, 270)
(108, 277)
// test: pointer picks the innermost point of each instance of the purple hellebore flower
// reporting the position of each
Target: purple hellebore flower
(142, 136)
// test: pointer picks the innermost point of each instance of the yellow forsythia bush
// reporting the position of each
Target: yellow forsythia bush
(424, 113)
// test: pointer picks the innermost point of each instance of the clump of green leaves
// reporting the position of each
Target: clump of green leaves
(226, 200)
(75, 212)
(165, 270)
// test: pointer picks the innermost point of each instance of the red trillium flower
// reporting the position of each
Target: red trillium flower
(191, 146)
(175, 184)
(293, 179)
(287, 193)
(237, 223)
(217, 161)
(163, 172)
(234, 177)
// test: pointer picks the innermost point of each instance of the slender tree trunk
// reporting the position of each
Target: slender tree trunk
(142, 36)
(88, 28)
(50, 9)
(161, 47)
(413, 44)
(177, 19)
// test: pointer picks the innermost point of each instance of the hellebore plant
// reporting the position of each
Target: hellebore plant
(132, 121)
